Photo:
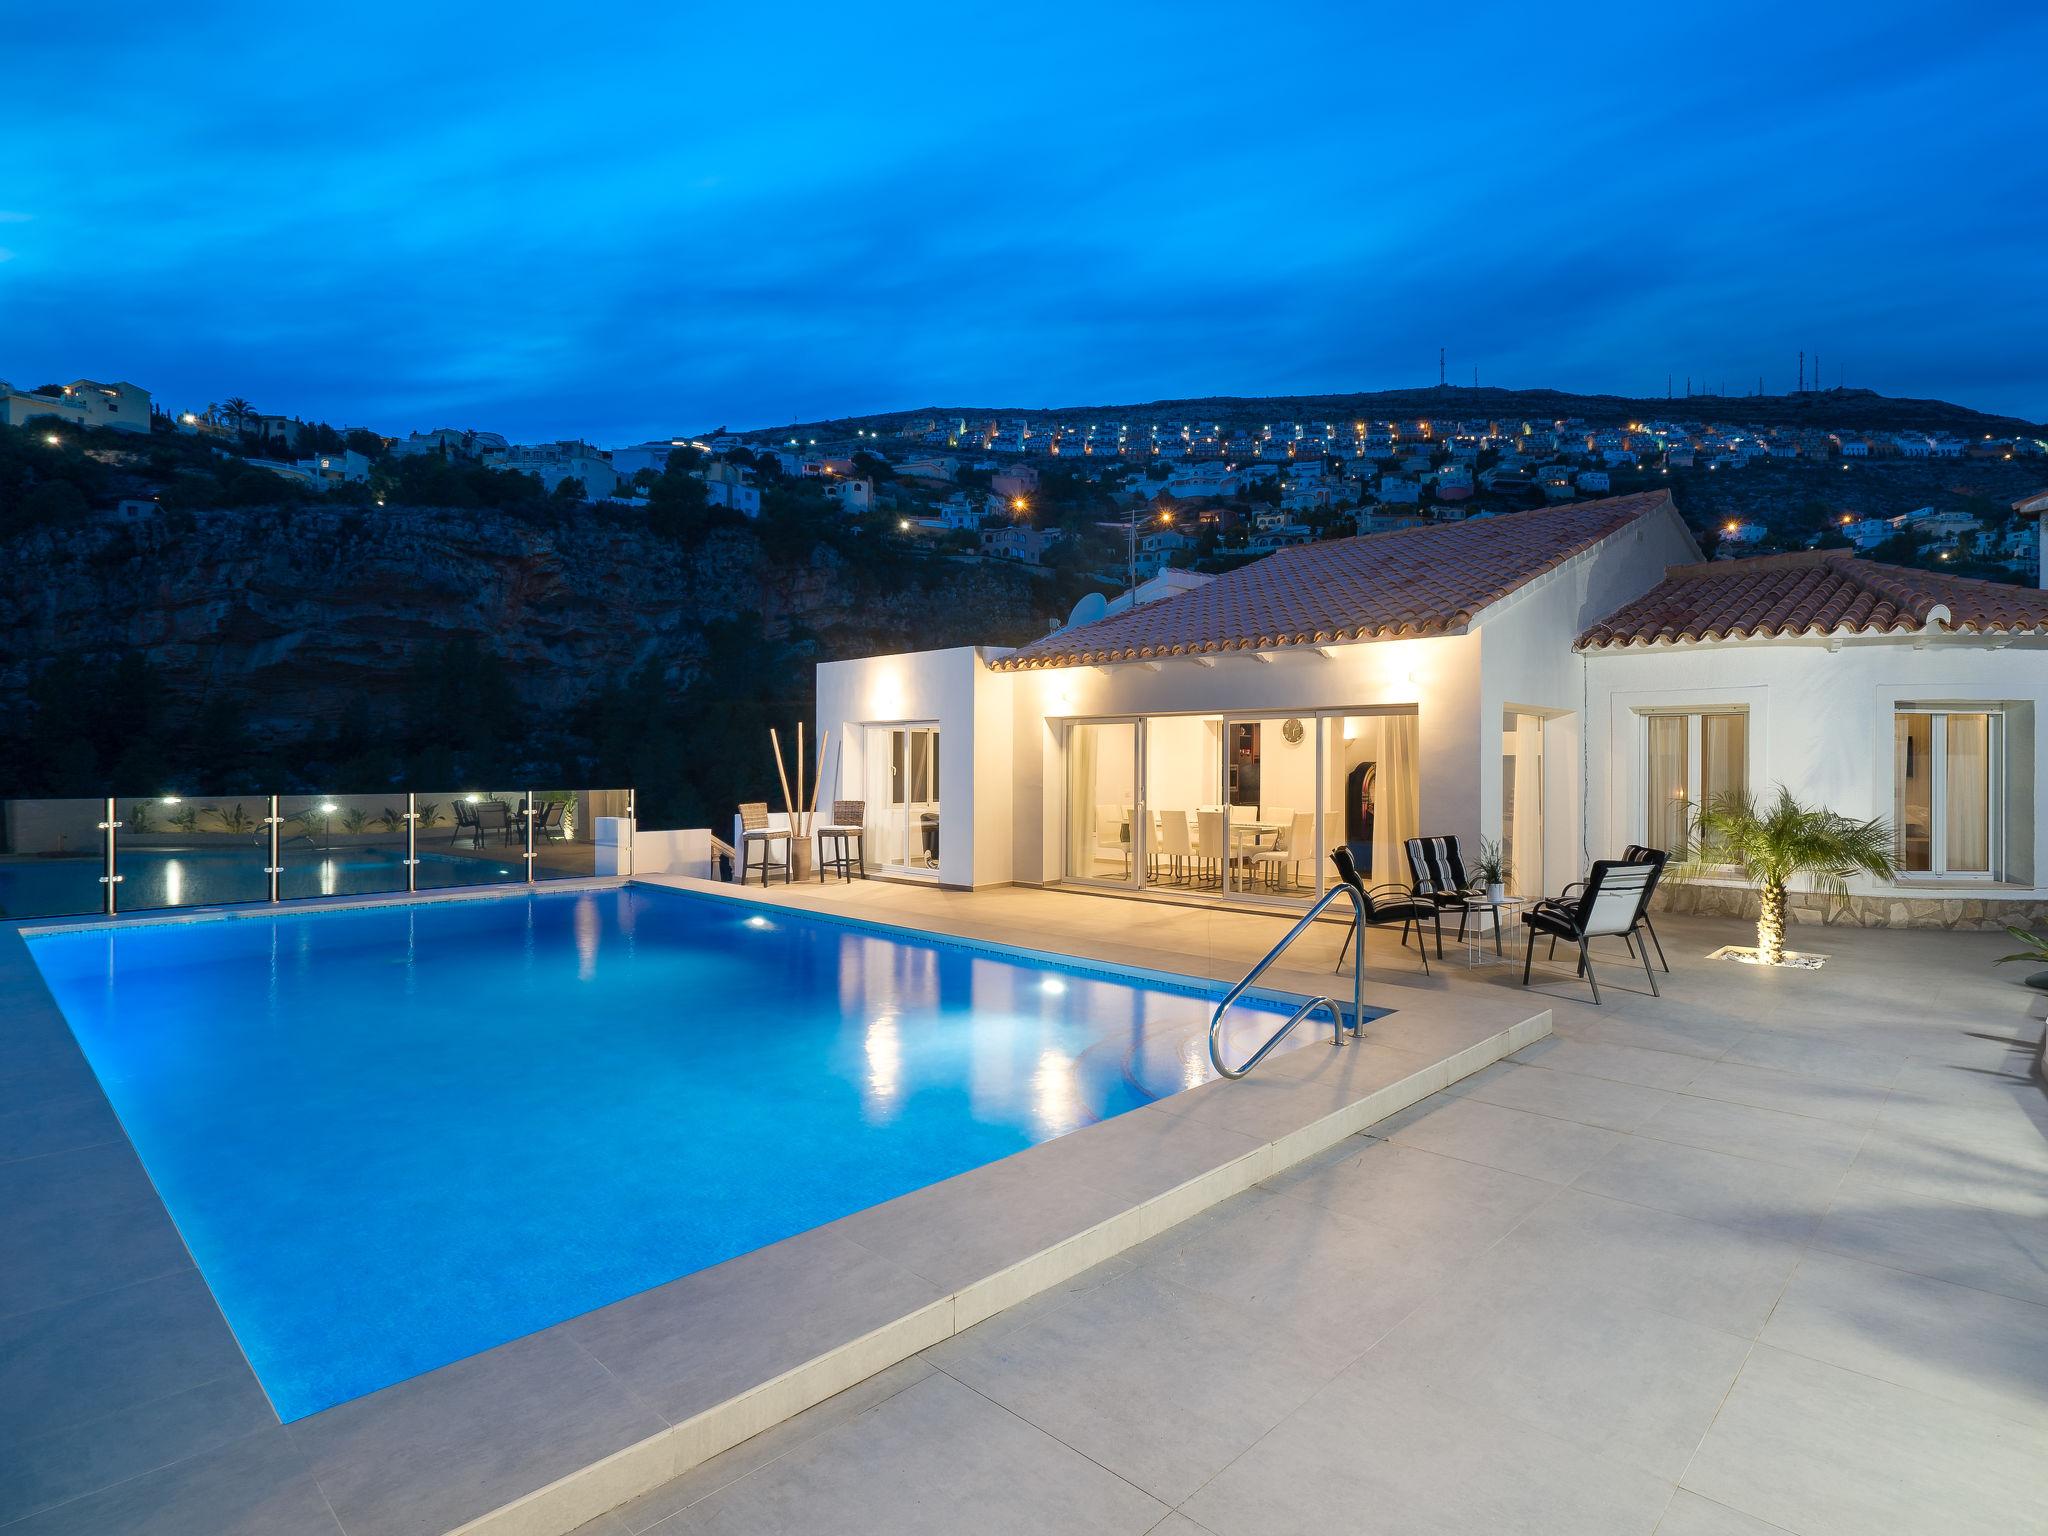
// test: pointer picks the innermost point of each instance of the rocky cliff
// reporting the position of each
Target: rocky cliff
(299, 613)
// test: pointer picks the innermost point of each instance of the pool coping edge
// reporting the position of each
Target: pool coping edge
(576, 1498)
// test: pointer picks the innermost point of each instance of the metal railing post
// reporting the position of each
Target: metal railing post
(275, 863)
(529, 837)
(412, 843)
(108, 878)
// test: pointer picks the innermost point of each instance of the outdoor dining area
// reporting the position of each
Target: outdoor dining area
(1233, 849)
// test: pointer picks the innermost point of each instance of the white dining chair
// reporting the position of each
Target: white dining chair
(1175, 846)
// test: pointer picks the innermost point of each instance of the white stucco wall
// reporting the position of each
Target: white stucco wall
(1527, 664)
(1820, 723)
(954, 690)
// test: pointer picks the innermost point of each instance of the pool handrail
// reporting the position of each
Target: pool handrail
(1337, 1027)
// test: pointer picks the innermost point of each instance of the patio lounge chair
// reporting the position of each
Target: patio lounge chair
(1609, 904)
(756, 833)
(548, 824)
(465, 821)
(848, 833)
(1635, 853)
(1384, 906)
(1437, 871)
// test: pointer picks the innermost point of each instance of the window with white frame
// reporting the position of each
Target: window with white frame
(1947, 785)
(1691, 760)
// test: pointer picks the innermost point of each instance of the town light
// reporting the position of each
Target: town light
(51, 438)
(1017, 503)
(328, 807)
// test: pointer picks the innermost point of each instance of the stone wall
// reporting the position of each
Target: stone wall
(1894, 911)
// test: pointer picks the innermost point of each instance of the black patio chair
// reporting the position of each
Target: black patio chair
(493, 818)
(1634, 853)
(1386, 905)
(1609, 903)
(1436, 871)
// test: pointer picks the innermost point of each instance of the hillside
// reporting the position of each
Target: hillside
(319, 647)
(1859, 409)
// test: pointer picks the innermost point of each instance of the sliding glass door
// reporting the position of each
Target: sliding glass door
(1103, 836)
(1370, 791)
(1946, 791)
(903, 809)
(1271, 799)
(1184, 802)
(1241, 808)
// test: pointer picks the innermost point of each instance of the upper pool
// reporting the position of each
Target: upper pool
(397, 1135)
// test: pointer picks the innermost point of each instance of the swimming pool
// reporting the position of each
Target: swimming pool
(395, 1136)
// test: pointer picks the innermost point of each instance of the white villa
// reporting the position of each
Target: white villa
(85, 402)
(1563, 681)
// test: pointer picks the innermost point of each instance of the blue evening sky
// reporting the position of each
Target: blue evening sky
(617, 221)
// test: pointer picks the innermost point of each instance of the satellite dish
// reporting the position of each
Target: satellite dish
(1092, 607)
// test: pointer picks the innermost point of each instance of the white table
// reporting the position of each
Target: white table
(1499, 913)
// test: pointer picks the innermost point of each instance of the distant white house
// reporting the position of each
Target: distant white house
(628, 462)
(450, 442)
(557, 462)
(1019, 541)
(1869, 532)
(344, 468)
(82, 402)
(731, 485)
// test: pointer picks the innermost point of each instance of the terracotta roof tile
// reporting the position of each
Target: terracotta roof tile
(1416, 581)
(1815, 592)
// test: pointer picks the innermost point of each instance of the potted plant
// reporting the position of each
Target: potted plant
(1770, 846)
(2034, 949)
(1490, 868)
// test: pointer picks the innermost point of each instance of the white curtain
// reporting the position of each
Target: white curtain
(1081, 755)
(1969, 793)
(1397, 787)
(1724, 756)
(1666, 823)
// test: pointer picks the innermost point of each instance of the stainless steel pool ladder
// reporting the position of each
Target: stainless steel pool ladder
(1337, 1025)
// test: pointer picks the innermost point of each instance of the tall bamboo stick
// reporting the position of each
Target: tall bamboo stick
(788, 801)
(801, 831)
(817, 783)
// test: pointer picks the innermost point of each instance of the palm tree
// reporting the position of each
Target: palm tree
(1772, 846)
(238, 411)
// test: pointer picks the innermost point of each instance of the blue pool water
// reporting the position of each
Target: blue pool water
(205, 877)
(393, 1137)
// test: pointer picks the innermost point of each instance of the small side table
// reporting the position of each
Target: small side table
(1501, 912)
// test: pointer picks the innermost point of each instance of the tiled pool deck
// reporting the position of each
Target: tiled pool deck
(125, 1404)
(1769, 1254)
